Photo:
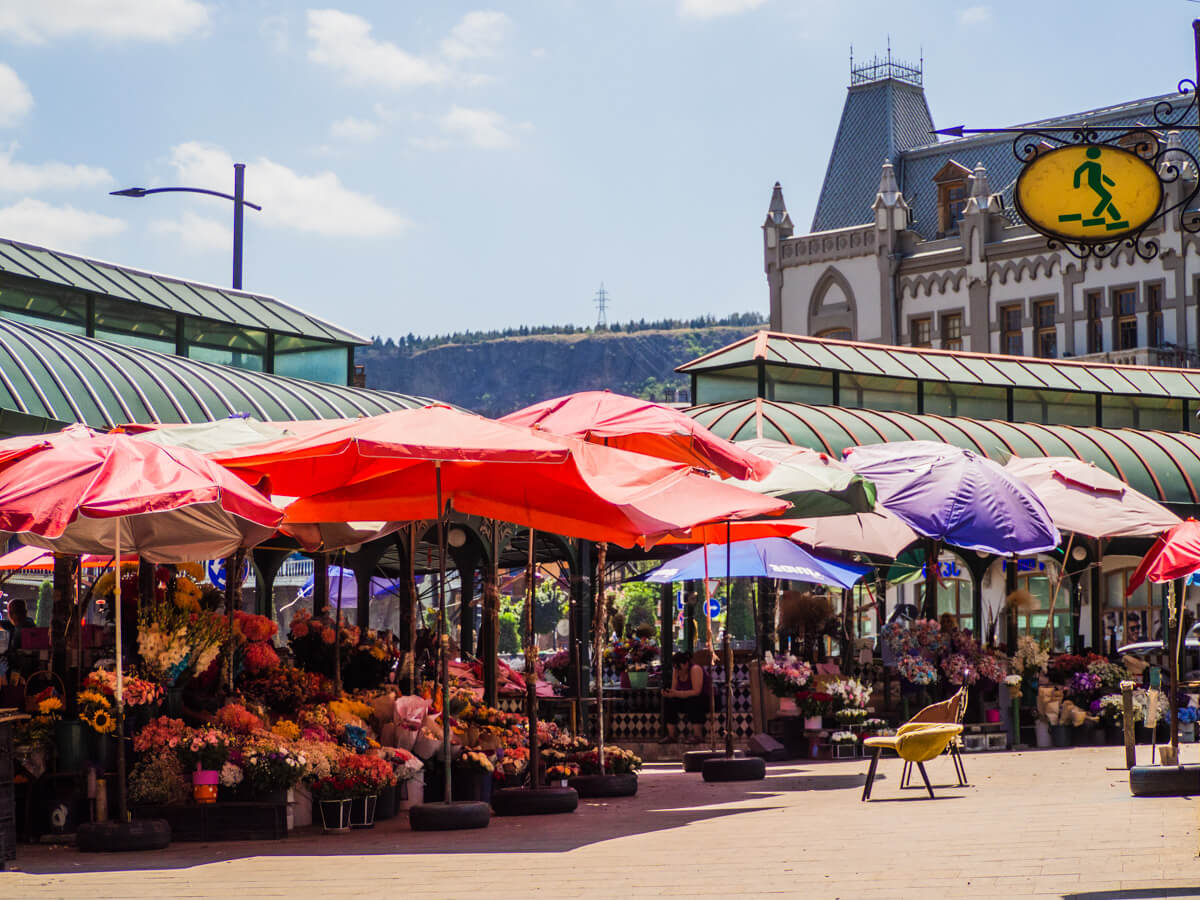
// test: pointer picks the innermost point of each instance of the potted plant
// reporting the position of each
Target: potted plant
(473, 776)
(783, 676)
(203, 752)
(812, 706)
(269, 769)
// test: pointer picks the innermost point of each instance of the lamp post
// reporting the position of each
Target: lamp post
(239, 200)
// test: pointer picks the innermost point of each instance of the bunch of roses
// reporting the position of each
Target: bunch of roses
(253, 627)
(784, 675)
(203, 748)
(134, 691)
(992, 667)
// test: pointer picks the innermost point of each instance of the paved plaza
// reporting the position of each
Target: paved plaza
(1051, 823)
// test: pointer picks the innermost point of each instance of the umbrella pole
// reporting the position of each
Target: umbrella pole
(601, 614)
(443, 635)
(414, 605)
(531, 656)
(122, 815)
(728, 645)
(931, 579)
(1062, 573)
(711, 656)
(337, 628)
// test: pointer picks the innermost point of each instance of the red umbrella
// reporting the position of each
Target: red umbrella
(79, 492)
(615, 420)
(347, 450)
(1176, 554)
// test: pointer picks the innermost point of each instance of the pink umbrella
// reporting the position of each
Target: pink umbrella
(1084, 499)
(877, 533)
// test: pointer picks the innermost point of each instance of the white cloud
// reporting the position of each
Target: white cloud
(975, 15)
(15, 99)
(478, 35)
(37, 21)
(197, 232)
(25, 178)
(344, 43)
(58, 227)
(314, 204)
(352, 129)
(479, 127)
(713, 9)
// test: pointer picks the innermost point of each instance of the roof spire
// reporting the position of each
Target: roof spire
(889, 189)
(981, 194)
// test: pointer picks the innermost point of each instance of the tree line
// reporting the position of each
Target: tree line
(411, 343)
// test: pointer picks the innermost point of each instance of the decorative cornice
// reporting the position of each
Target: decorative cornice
(829, 245)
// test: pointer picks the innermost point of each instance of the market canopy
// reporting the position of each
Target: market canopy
(1165, 466)
(1175, 554)
(762, 558)
(878, 533)
(616, 420)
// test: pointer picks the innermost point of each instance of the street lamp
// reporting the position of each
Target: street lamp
(238, 198)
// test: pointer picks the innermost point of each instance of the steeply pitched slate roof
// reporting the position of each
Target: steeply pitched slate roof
(880, 120)
(890, 119)
(161, 292)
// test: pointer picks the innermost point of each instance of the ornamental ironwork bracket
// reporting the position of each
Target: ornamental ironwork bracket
(1171, 164)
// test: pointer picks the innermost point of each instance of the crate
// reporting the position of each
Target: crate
(974, 743)
(844, 751)
(997, 740)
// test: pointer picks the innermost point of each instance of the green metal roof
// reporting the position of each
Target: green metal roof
(926, 364)
(49, 378)
(1162, 465)
(161, 292)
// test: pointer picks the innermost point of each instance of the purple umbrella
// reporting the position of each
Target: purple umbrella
(956, 496)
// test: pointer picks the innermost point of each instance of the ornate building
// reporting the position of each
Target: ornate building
(917, 242)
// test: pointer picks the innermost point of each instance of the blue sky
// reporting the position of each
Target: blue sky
(431, 167)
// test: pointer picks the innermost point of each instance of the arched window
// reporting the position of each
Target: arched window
(837, 334)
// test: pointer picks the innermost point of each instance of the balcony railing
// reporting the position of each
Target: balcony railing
(1170, 357)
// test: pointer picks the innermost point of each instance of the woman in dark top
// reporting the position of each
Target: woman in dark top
(689, 694)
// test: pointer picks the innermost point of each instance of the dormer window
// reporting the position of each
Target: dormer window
(953, 187)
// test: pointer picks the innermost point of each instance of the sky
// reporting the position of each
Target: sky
(437, 167)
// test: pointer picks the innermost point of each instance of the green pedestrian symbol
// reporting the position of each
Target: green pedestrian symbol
(1092, 173)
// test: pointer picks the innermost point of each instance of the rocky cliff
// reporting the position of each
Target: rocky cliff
(499, 376)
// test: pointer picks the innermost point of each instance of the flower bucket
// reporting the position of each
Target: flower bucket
(1060, 735)
(300, 807)
(787, 706)
(388, 798)
(335, 816)
(1187, 732)
(639, 681)
(362, 811)
(991, 716)
(204, 785)
(412, 793)
(424, 747)
(69, 737)
(471, 785)
(1041, 730)
(405, 737)
(812, 723)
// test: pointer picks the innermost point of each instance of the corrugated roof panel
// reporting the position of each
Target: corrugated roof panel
(124, 283)
(1175, 384)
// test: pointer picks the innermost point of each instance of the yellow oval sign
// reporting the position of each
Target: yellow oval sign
(1089, 193)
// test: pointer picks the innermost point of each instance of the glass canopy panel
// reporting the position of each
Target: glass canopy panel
(976, 401)
(722, 386)
(1054, 407)
(952, 369)
(921, 366)
(823, 357)
(1051, 376)
(877, 392)
(983, 370)
(853, 359)
(1112, 379)
(216, 342)
(889, 363)
(1082, 376)
(1144, 382)
(131, 323)
(64, 313)
(813, 386)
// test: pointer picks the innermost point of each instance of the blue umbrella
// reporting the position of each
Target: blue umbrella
(771, 557)
(342, 580)
(953, 495)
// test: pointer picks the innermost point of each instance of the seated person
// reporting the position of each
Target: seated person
(15, 619)
(689, 694)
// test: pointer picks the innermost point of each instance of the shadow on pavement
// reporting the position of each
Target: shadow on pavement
(661, 803)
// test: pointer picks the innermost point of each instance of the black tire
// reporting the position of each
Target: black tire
(693, 760)
(749, 768)
(1164, 781)
(625, 785)
(534, 802)
(456, 816)
(123, 837)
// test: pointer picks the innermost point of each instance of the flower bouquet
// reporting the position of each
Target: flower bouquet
(850, 716)
(849, 692)
(559, 665)
(236, 719)
(813, 704)
(916, 670)
(844, 744)
(843, 737)
(96, 712)
(992, 667)
(206, 749)
(959, 670)
(135, 692)
(176, 644)
(270, 766)
(785, 675)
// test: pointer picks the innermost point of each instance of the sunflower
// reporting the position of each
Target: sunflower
(101, 721)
